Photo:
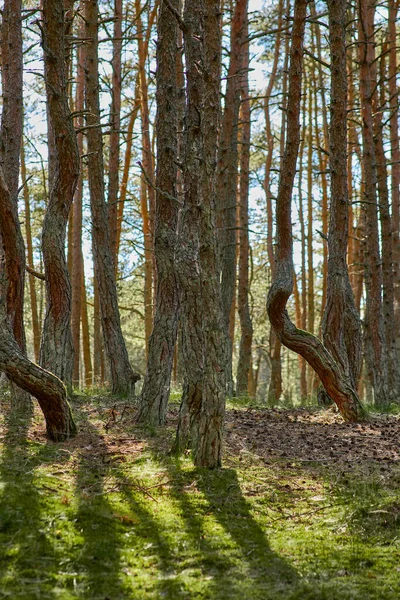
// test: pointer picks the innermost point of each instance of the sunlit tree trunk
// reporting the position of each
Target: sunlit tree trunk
(228, 167)
(12, 251)
(115, 119)
(275, 385)
(156, 386)
(334, 379)
(375, 348)
(56, 351)
(77, 254)
(244, 370)
(386, 237)
(393, 6)
(122, 376)
(341, 325)
(48, 389)
(205, 345)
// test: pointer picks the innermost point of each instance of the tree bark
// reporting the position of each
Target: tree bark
(115, 118)
(228, 168)
(394, 152)
(244, 370)
(341, 327)
(56, 351)
(204, 334)
(374, 338)
(11, 239)
(334, 379)
(77, 254)
(29, 254)
(46, 387)
(156, 386)
(122, 376)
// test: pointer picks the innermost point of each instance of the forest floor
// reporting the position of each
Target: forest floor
(306, 507)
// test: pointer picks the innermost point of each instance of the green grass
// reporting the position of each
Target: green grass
(99, 518)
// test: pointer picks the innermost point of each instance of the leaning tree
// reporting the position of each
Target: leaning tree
(336, 380)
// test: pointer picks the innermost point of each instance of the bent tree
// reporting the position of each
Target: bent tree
(341, 327)
(10, 146)
(49, 391)
(336, 381)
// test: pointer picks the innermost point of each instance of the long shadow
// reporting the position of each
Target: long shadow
(112, 538)
(28, 557)
(236, 560)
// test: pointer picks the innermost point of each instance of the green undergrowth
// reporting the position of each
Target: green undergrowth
(110, 515)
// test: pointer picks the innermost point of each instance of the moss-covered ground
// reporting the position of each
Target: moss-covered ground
(110, 515)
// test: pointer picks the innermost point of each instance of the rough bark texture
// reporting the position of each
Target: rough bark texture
(122, 376)
(44, 386)
(335, 381)
(374, 337)
(275, 383)
(244, 369)
(341, 327)
(388, 303)
(56, 351)
(156, 386)
(394, 152)
(228, 167)
(115, 118)
(10, 147)
(77, 254)
(204, 335)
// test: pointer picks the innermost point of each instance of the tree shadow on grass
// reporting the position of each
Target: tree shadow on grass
(28, 559)
(123, 549)
(234, 557)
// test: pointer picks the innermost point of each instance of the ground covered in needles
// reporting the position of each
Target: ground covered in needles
(306, 507)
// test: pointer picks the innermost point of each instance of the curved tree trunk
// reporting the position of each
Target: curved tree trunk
(156, 386)
(11, 138)
(57, 351)
(336, 382)
(341, 325)
(204, 334)
(122, 376)
(46, 387)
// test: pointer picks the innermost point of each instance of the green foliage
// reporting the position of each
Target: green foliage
(111, 515)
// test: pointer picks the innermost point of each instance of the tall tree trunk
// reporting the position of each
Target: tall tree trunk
(275, 385)
(334, 379)
(87, 359)
(115, 118)
(77, 255)
(122, 376)
(341, 327)
(11, 138)
(394, 153)
(386, 240)
(205, 345)
(147, 192)
(29, 254)
(374, 340)
(228, 168)
(56, 351)
(156, 386)
(244, 370)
